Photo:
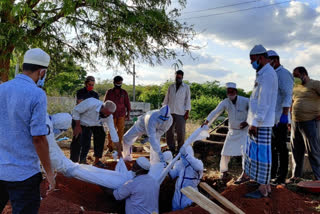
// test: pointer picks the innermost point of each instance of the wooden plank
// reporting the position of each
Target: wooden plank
(202, 201)
(228, 204)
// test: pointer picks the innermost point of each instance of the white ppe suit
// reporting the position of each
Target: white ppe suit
(190, 171)
(154, 124)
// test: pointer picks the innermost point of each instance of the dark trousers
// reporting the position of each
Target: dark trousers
(99, 137)
(75, 146)
(23, 195)
(280, 152)
(305, 136)
(178, 126)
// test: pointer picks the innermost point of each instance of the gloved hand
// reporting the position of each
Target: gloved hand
(284, 119)
(183, 151)
(161, 156)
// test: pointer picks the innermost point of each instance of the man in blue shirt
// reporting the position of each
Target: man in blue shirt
(23, 133)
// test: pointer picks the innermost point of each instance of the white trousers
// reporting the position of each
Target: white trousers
(224, 162)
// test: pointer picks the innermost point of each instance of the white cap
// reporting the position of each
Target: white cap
(272, 53)
(231, 85)
(36, 56)
(61, 120)
(143, 163)
(168, 156)
(258, 49)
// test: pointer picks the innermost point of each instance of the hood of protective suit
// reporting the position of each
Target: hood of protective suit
(168, 156)
(189, 150)
(61, 121)
(164, 112)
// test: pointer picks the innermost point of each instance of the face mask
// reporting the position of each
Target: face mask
(90, 88)
(40, 82)
(297, 81)
(117, 85)
(102, 115)
(271, 63)
(178, 80)
(255, 65)
(231, 97)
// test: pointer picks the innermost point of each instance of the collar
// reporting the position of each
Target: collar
(264, 69)
(279, 68)
(25, 77)
(182, 84)
(99, 108)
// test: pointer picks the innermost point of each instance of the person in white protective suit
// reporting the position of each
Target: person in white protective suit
(237, 108)
(157, 168)
(190, 171)
(154, 124)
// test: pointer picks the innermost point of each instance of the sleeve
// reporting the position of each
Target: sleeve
(196, 164)
(107, 96)
(79, 95)
(175, 171)
(316, 86)
(127, 102)
(154, 138)
(80, 108)
(265, 97)
(124, 191)
(96, 95)
(188, 99)
(166, 98)
(214, 114)
(38, 125)
(286, 87)
(112, 130)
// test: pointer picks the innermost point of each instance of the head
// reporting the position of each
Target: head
(141, 166)
(168, 156)
(89, 83)
(164, 113)
(190, 152)
(274, 59)
(258, 57)
(117, 81)
(232, 91)
(107, 108)
(35, 65)
(179, 76)
(61, 122)
(300, 74)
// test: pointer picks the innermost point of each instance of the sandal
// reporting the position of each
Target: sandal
(241, 180)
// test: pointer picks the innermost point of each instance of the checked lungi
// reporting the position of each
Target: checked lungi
(258, 161)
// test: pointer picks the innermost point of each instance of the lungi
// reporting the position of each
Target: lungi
(258, 156)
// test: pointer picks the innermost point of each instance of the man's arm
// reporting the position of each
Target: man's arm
(166, 98)
(128, 106)
(114, 134)
(214, 114)
(187, 103)
(41, 145)
(286, 87)
(106, 97)
(124, 191)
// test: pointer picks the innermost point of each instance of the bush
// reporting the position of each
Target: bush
(202, 106)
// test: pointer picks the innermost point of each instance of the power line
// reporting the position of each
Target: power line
(224, 6)
(236, 11)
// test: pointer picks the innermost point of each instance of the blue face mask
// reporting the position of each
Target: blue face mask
(255, 65)
(40, 82)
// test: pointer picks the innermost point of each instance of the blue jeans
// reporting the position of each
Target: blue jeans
(306, 136)
(23, 195)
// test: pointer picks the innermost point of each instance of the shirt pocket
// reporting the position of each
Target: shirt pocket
(241, 115)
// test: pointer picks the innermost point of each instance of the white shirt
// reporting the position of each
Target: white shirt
(285, 86)
(263, 99)
(237, 113)
(88, 112)
(178, 101)
(141, 194)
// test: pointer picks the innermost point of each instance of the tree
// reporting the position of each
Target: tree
(119, 30)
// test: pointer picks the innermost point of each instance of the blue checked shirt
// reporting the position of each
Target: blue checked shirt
(23, 115)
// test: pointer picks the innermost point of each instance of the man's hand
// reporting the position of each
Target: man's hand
(289, 127)
(119, 149)
(205, 123)
(52, 182)
(186, 115)
(243, 125)
(127, 116)
(318, 118)
(253, 131)
(183, 151)
(77, 129)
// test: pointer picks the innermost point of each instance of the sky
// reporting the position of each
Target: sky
(226, 32)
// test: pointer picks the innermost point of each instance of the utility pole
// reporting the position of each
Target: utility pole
(134, 83)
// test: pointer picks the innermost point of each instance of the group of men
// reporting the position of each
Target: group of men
(257, 131)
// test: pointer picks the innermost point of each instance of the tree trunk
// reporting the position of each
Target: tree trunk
(5, 56)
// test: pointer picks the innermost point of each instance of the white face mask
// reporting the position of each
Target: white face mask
(232, 97)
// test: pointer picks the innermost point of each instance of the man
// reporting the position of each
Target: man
(280, 152)
(237, 108)
(189, 171)
(154, 124)
(178, 98)
(82, 94)
(305, 123)
(89, 116)
(142, 192)
(261, 116)
(120, 97)
(23, 133)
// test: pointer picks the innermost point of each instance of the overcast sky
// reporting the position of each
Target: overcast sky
(227, 34)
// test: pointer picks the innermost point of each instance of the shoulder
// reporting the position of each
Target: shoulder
(124, 91)
(186, 85)
(80, 91)
(245, 99)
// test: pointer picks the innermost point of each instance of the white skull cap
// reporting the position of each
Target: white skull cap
(36, 56)
(231, 85)
(272, 53)
(61, 120)
(258, 49)
(143, 163)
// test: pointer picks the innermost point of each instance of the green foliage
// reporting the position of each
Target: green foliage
(152, 94)
(202, 106)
